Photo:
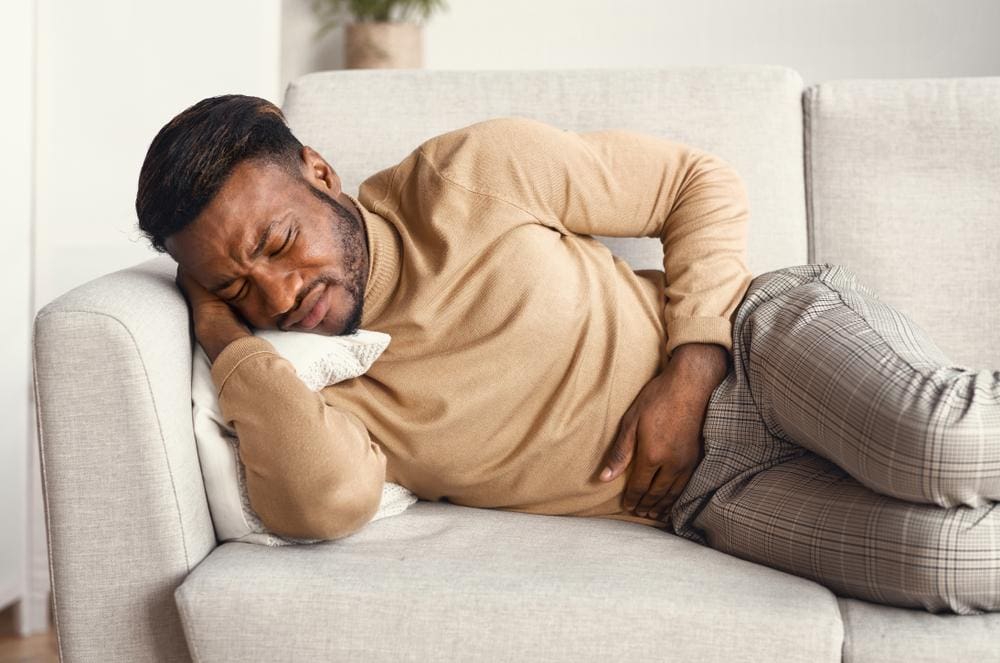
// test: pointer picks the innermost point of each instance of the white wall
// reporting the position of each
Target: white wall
(16, 69)
(88, 85)
(822, 39)
(110, 74)
(302, 49)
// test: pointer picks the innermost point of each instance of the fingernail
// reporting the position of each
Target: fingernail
(606, 474)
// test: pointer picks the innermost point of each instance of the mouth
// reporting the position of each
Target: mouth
(314, 309)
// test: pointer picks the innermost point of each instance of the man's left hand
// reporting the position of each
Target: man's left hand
(662, 429)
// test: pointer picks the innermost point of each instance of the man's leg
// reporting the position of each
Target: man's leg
(839, 372)
(819, 362)
(808, 517)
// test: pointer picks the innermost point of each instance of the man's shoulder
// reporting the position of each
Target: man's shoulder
(489, 156)
(487, 139)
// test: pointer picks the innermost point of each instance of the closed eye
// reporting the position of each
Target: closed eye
(239, 295)
(288, 237)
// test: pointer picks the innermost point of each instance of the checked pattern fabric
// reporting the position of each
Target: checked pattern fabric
(845, 447)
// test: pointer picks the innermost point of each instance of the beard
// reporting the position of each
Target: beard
(354, 247)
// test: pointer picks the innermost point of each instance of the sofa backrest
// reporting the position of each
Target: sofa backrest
(904, 189)
(364, 121)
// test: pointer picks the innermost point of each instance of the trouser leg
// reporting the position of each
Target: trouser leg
(808, 517)
(845, 398)
(839, 372)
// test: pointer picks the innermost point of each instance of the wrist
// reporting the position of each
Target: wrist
(706, 364)
(215, 332)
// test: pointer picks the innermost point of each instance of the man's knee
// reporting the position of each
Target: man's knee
(951, 449)
(952, 565)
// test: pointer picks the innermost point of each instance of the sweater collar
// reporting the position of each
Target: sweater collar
(384, 251)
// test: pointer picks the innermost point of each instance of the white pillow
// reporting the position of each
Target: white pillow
(319, 361)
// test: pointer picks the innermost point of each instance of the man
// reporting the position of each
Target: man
(531, 370)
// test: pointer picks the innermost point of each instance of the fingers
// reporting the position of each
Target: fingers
(663, 506)
(621, 451)
(656, 490)
(638, 484)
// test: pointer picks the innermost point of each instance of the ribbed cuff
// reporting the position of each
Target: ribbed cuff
(234, 354)
(699, 330)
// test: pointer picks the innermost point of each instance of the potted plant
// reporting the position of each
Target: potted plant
(383, 34)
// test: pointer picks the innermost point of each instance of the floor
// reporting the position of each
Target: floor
(40, 648)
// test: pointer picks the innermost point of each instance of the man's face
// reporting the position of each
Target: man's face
(285, 252)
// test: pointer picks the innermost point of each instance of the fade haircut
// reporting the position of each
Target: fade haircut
(192, 156)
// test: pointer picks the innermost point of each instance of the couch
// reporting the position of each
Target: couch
(898, 180)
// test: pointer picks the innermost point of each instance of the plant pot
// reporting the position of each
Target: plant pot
(370, 45)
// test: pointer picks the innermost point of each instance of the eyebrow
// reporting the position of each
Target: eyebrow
(259, 249)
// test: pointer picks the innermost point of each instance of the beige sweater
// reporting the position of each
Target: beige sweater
(518, 340)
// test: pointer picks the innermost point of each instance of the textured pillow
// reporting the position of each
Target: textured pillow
(319, 361)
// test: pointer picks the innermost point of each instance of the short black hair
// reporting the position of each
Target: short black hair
(192, 156)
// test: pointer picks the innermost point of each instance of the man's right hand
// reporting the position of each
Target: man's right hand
(216, 324)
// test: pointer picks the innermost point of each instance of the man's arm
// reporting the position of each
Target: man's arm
(621, 184)
(662, 429)
(629, 184)
(311, 468)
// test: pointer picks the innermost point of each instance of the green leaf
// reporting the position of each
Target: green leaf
(330, 12)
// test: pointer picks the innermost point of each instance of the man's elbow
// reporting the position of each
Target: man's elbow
(346, 513)
(341, 512)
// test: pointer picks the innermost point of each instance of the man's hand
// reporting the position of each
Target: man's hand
(662, 429)
(216, 324)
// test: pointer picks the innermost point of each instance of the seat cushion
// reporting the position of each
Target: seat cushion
(880, 634)
(365, 120)
(904, 189)
(444, 582)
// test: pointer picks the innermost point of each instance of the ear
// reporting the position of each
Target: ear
(319, 173)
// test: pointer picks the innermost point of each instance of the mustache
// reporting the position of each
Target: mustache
(340, 215)
(325, 279)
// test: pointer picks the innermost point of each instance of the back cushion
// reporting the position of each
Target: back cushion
(904, 180)
(364, 121)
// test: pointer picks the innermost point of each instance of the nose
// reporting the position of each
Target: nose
(278, 289)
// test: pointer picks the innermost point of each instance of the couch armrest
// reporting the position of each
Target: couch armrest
(125, 506)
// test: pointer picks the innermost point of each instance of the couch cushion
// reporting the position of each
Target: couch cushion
(904, 189)
(364, 121)
(879, 634)
(444, 582)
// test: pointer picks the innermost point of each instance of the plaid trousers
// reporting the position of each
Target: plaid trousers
(845, 447)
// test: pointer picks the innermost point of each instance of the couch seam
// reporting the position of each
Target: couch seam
(187, 626)
(845, 646)
(45, 499)
(159, 425)
(808, 108)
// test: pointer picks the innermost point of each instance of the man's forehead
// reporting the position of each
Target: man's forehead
(238, 222)
(253, 197)
(251, 188)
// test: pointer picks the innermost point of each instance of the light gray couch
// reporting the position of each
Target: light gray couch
(898, 180)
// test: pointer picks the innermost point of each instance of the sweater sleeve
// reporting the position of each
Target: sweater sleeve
(621, 183)
(310, 468)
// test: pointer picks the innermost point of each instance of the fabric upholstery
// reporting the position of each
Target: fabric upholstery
(364, 121)
(442, 582)
(125, 505)
(902, 173)
(905, 190)
(879, 634)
